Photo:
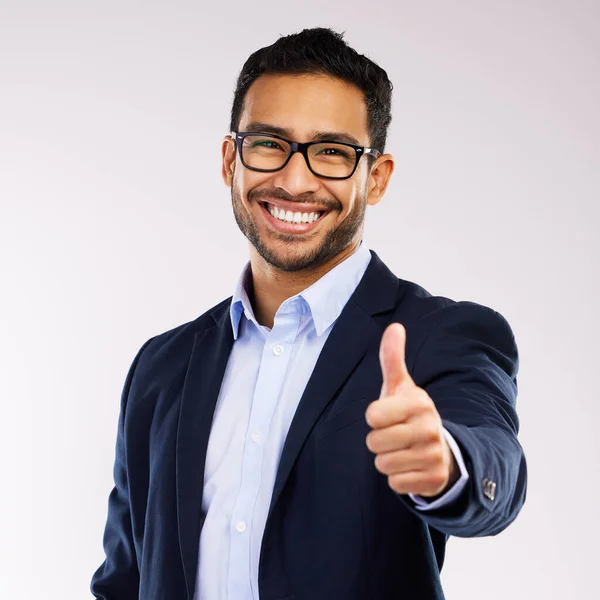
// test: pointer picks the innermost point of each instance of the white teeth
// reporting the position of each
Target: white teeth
(290, 217)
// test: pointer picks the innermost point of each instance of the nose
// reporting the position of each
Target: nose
(296, 178)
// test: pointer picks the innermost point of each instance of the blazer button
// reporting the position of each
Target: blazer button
(489, 488)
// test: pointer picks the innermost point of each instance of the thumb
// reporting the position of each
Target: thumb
(392, 359)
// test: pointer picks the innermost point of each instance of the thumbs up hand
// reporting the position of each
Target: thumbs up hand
(406, 431)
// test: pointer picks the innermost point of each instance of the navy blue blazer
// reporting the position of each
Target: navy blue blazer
(335, 528)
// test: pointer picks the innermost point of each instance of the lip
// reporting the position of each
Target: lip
(285, 227)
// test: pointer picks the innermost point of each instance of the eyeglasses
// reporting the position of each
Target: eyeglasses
(266, 153)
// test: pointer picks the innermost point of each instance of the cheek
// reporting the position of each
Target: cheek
(346, 192)
(246, 181)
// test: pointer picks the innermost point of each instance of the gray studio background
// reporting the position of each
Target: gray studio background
(115, 226)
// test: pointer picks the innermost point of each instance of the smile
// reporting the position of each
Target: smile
(291, 222)
(292, 217)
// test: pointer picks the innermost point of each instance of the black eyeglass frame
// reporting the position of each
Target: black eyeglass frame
(301, 147)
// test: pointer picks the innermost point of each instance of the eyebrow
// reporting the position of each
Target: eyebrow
(333, 136)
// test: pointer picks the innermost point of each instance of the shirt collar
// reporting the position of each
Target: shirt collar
(325, 298)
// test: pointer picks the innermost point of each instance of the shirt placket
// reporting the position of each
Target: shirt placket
(274, 364)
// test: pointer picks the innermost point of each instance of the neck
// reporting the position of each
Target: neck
(270, 287)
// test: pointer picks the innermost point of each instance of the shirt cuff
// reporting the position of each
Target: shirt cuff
(453, 493)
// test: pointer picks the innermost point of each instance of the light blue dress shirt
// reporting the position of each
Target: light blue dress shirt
(265, 378)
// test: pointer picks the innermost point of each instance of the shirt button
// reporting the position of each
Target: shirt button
(278, 350)
(241, 526)
(256, 437)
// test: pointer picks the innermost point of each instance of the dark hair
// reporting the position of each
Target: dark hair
(321, 51)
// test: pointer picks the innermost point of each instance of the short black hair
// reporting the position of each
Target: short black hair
(322, 51)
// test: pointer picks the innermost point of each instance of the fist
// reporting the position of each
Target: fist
(406, 433)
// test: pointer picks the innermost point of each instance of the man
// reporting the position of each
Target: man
(322, 432)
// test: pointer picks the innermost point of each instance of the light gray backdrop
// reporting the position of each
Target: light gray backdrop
(115, 226)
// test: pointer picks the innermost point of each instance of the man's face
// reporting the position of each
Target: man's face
(301, 108)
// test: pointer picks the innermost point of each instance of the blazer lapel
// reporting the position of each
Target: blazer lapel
(353, 333)
(206, 368)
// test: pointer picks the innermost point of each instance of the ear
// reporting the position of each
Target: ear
(228, 160)
(379, 178)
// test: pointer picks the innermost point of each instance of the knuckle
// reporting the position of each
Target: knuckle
(382, 463)
(434, 454)
(374, 442)
(396, 483)
(370, 443)
(423, 400)
(373, 417)
(431, 431)
(438, 479)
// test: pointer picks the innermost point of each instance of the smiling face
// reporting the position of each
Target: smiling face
(303, 108)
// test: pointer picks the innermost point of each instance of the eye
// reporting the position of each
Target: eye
(271, 144)
(334, 152)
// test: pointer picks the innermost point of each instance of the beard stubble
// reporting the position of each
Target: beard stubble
(332, 242)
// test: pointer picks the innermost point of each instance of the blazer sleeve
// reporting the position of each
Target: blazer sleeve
(468, 365)
(118, 577)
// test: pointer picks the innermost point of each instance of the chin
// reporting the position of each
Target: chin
(286, 261)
